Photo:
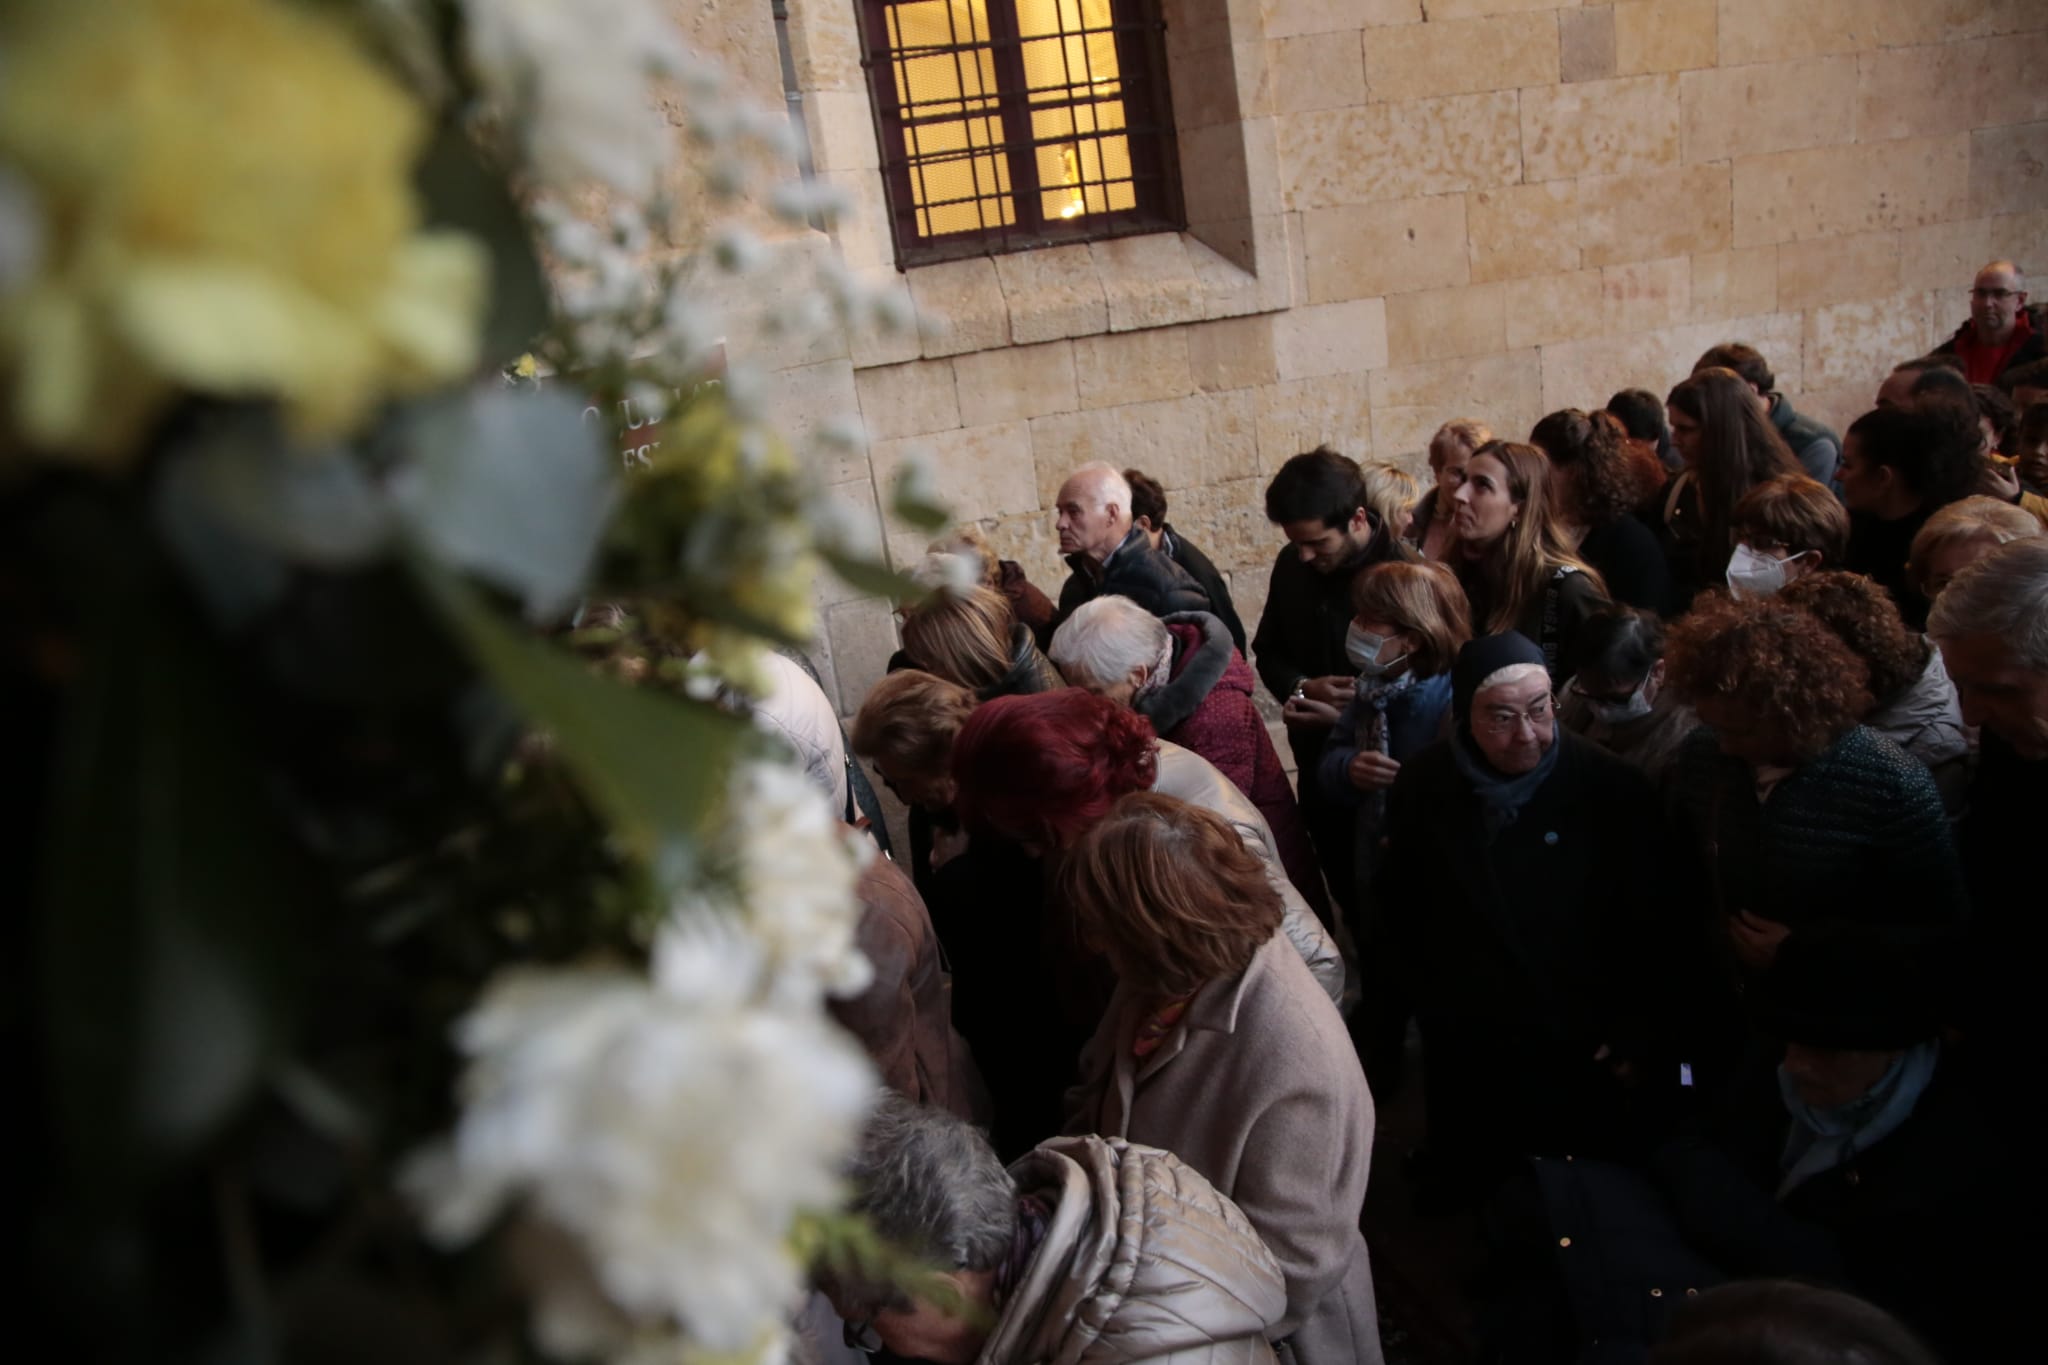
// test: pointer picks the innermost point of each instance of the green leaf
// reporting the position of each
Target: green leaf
(243, 474)
(913, 502)
(458, 191)
(871, 577)
(511, 485)
(655, 764)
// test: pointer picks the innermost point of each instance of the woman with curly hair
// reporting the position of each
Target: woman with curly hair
(1221, 1048)
(1040, 771)
(1517, 566)
(1915, 704)
(1803, 815)
(1729, 446)
(1598, 490)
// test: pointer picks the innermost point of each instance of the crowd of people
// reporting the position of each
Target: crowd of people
(1669, 774)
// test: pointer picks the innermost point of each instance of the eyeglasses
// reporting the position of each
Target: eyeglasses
(860, 1336)
(1995, 295)
(1502, 720)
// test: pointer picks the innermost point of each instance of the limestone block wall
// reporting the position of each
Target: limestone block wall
(1403, 211)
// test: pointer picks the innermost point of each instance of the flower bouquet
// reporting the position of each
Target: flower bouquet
(394, 982)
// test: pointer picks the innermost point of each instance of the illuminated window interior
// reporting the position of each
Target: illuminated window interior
(966, 123)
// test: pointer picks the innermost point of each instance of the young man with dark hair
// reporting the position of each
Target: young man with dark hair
(1318, 502)
(1817, 448)
(1148, 514)
(2026, 384)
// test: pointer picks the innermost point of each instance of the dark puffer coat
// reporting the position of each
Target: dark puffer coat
(1134, 570)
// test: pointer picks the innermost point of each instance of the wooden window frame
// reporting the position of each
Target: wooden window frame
(1148, 127)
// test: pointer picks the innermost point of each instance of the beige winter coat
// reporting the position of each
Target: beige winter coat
(1189, 777)
(1142, 1261)
(1259, 1089)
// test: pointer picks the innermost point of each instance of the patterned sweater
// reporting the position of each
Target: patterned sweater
(1856, 835)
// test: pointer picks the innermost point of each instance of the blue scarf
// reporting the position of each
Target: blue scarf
(1822, 1139)
(1501, 797)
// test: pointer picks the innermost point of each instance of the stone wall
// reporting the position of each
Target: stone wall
(1403, 212)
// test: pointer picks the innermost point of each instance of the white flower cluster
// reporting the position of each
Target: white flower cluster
(662, 1131)
(798, 868)
(577, 83)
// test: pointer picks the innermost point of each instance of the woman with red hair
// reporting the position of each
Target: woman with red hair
(1041, 770)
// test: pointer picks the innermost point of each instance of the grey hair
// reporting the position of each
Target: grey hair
(1108, 637)
(930, 1185)
(1511, 673)
(1970, 519)
(1109, 480)
(2004, 596)
(1463, 431)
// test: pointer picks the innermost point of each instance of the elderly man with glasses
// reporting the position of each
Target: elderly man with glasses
(2002, 333)
(1529, 893)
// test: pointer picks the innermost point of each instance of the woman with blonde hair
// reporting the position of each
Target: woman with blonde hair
(971, 638)
(1518, 569)
(1450, 450)
(1390, 494)
(1027, 602)
(1962, 533)
(1219, 1046)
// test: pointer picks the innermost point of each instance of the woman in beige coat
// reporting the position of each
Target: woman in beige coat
(1221, 1048)
(1084, 1250)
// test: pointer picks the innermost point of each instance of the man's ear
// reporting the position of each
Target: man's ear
(1144, 523)
(1361, 520)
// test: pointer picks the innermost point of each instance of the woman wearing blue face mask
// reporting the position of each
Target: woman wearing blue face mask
(1409, 621)
(1618, 700)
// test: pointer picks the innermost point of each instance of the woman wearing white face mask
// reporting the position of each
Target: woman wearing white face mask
(1410, 619)
(1785, 528)
(1618, 700)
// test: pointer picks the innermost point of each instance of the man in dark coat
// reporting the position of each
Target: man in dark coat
(1148, 513)
(1527, 894)
(1318, 502)
(1109, 555)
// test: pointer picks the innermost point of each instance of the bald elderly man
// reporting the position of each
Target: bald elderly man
(2002, 333)
(1111, 556)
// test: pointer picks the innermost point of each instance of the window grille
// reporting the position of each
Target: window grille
(1012, 124)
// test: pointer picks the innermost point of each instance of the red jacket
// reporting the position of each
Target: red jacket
(1983, 364)
(1207, 707)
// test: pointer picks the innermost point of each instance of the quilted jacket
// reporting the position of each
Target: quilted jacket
(1142, 1260)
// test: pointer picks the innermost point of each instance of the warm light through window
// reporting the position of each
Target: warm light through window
(960, 135)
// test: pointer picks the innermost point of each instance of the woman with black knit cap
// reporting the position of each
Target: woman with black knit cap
(1519, 891)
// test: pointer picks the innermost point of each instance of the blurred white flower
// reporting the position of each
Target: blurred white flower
(673, 1139)
(576, 81)
(947, 571)
(798, 201)
(917, 479)
(798, 867)
(737, 250)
